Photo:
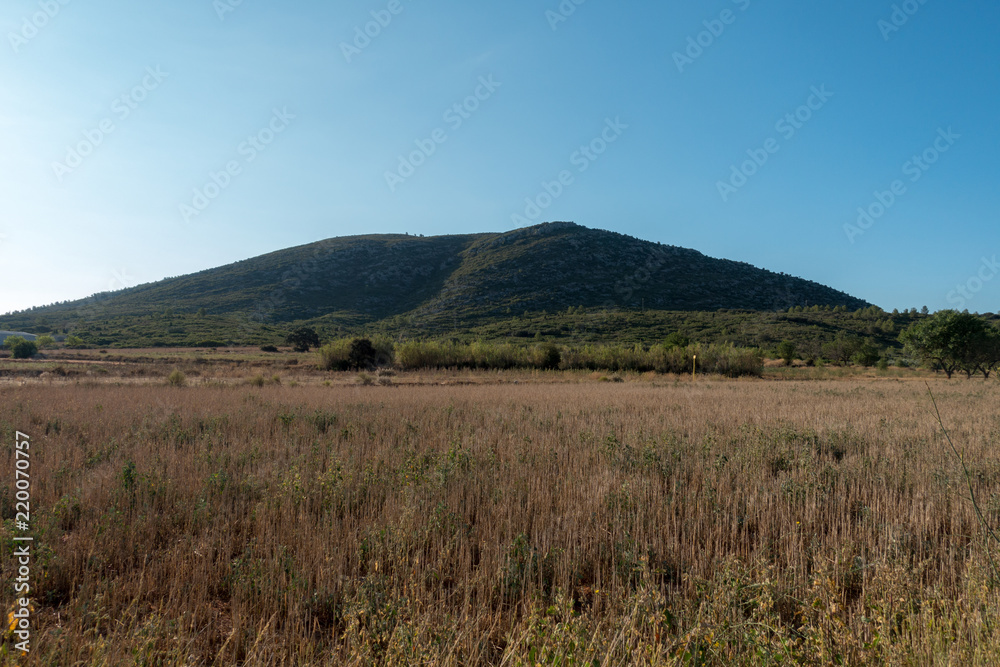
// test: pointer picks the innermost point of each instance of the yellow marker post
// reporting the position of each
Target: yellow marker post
(694, 366)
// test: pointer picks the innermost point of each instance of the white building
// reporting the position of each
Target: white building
(5, 334)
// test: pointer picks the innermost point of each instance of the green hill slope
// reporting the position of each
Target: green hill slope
(444, 282)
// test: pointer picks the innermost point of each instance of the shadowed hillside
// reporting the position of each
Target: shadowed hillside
(466, 280)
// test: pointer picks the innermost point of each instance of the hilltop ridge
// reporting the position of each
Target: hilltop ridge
(463, 280)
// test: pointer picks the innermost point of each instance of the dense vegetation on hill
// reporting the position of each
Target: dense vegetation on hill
(556, 279)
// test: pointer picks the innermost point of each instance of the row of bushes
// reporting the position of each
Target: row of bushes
(346, 354)
(725, 360)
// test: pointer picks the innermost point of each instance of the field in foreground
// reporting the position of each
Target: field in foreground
(709, 523)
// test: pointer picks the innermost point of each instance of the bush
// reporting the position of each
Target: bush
(676, 339)
(362, 354)
(177, 379)
(549, 357)
(260, 380)
(24, 349)
(268, 348)
(335, 356)
(45, 341)
(75, 342)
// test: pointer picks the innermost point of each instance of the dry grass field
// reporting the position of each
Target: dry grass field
(551, 520)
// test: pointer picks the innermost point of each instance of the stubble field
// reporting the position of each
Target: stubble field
(656, 521)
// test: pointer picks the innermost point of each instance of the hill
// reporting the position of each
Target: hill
(437, 285)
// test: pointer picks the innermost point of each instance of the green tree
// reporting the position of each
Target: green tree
(951, 341)
(10, 342)
(45, 341)
(303, 339)
(551, 357)
(984, 354)
(787, 351)
(867, 355)
(842, 348)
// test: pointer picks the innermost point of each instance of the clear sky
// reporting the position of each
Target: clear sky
(745, 129)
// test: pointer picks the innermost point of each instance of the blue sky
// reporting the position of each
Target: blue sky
(113, 115)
